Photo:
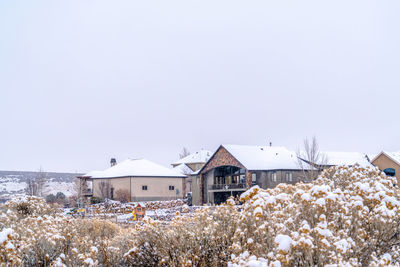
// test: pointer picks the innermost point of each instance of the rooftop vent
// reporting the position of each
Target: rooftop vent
(113, 162)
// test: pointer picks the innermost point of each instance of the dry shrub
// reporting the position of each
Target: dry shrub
(202, 240)
(32, 234)
(348, 216)
(29, 205)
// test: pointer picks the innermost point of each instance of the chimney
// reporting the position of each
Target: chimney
(270, 143)
(113, 162)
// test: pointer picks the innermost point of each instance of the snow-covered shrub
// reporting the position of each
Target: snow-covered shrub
(32, 234)
(201, 240)
(29, 205)
(8, 252)
(349, 215)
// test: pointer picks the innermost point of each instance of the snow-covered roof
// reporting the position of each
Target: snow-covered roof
(201, 156)
(182, 168)
(395, 156)
(92, 173)
(346, 158)
(264, 157)
(138, 168)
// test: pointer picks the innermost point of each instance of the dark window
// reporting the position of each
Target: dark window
(390, 172)
(171, 187)
(112, 193)
(144, 187)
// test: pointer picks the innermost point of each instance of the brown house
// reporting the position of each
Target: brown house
(389, 162)
(233, 169)
(139, 179)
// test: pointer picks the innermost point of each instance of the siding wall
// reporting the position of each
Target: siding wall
(383, 162)
(196, 190)
(157, 187)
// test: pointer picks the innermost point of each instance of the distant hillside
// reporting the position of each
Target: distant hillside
(14, 183)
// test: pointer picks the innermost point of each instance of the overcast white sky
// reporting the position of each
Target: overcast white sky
(83, 81)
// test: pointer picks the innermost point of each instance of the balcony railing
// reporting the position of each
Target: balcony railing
(226, 186)
(87, 192)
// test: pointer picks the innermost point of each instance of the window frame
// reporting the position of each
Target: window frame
(274, 177)
(289, 177)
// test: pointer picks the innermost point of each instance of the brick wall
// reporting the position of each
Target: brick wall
(221, 158)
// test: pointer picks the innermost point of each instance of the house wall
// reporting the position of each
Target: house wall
(264, 178)
(221, 158)
(383, 162)
(157, 187)
(116, 183)
(195, 166)
(196, 190)
(209, 180)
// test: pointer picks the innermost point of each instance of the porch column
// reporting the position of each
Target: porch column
(248, 179)
(201, 189)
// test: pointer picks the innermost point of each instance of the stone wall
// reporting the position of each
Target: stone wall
(221, 158)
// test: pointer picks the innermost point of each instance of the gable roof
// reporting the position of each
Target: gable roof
(200, 156)
(136, 167)
(395, 156)
(280, 158)
(264, 157)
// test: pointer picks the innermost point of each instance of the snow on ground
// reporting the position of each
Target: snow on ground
(11, 185)
(15, 183)
(52, 187)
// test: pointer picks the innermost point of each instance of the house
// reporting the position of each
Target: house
(194, 161)
(139, 179)
(232, 169)
(389, 162)
(190, 165)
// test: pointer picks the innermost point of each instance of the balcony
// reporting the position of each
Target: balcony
(87, 192)
(227, 187)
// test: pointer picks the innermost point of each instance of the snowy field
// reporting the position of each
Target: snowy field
(13, 183)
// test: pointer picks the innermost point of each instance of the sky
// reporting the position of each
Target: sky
(82, 81)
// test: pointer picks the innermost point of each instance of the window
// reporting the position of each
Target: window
(273, 176)
(144, 187)
(253, 178)
(289, 177)
(171, 187)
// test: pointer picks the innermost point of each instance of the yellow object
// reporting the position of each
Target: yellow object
(134, 216)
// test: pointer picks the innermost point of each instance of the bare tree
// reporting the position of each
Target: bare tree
(105, 189)
(36, 184)
(123, 195)
(185, 152)
(310, 159)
